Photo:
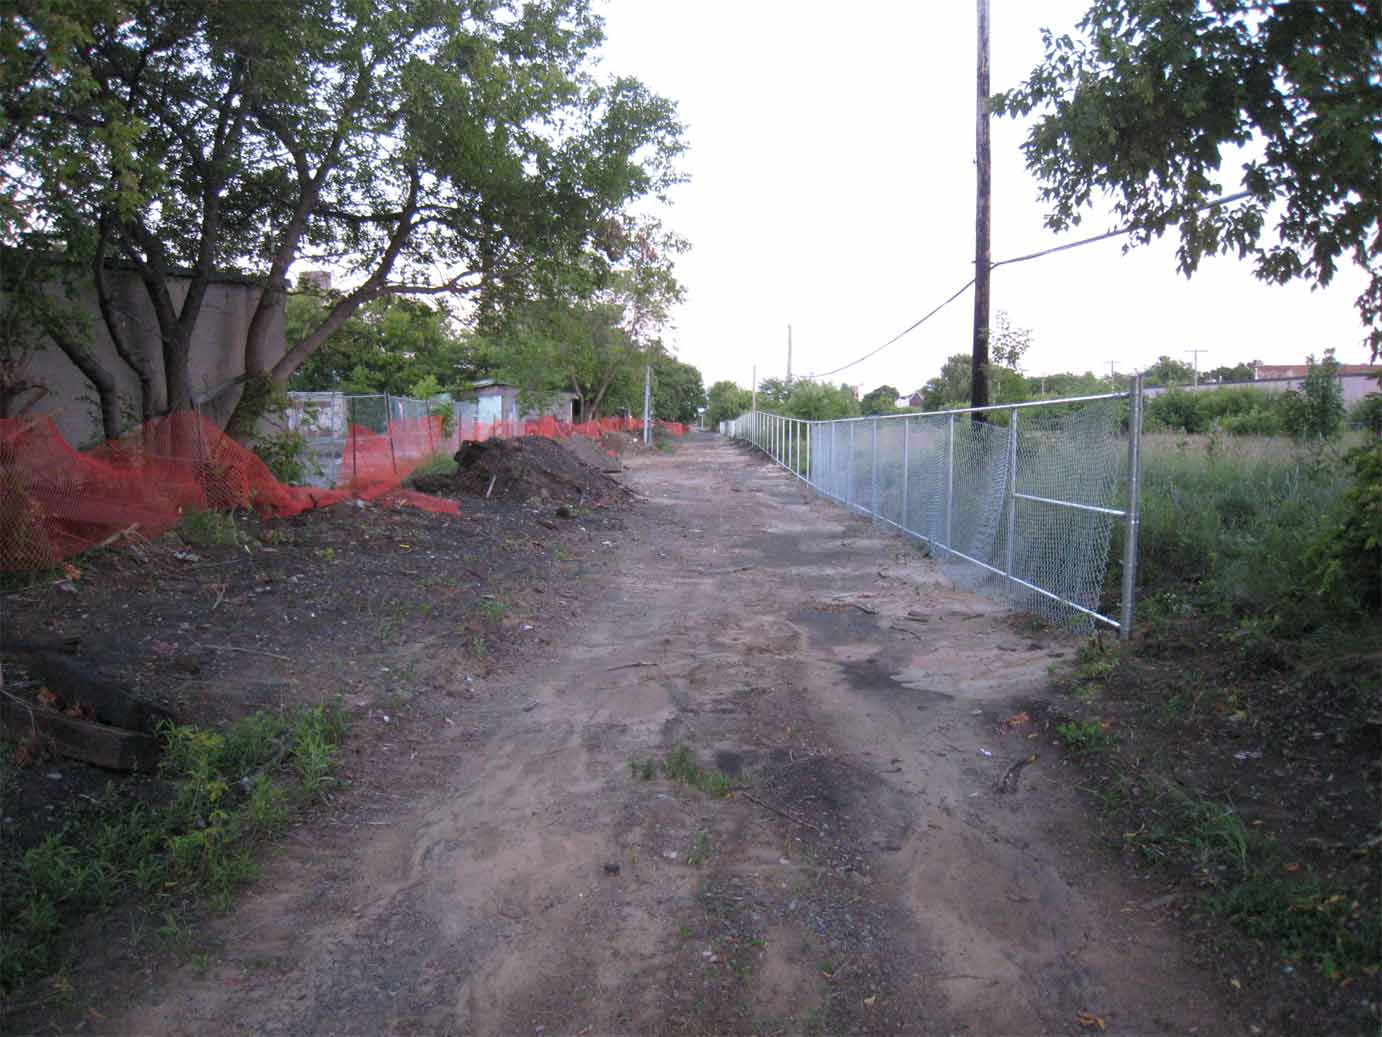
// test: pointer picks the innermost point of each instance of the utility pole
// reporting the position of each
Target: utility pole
(755, 386)
(1110, 371)
(789, 357)
(648, 403)
(979, 363)
(1196, 354)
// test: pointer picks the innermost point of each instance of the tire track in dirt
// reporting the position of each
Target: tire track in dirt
(865, 878)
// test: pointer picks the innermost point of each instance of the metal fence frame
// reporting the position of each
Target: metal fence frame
(788, 442)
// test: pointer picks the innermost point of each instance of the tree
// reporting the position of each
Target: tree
(678, 393)
(1008, 344)
(1317, 410)
(726, 401)
(817, 401)
(1226, 373)
(388, 346)
(419, 148)
(1141, 105)
(949, 389)
(882, 400)
(590, 327)
(773, 393)
(1169, 372)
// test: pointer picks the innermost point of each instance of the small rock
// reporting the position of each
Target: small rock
(612, 868)
(54, 775)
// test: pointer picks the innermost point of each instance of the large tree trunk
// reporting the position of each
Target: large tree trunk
(107, 397)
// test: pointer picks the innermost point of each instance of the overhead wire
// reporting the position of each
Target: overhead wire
(1226, 199)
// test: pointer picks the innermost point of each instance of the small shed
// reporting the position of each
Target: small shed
(490, 400)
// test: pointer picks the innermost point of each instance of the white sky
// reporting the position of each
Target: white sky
(832, 188)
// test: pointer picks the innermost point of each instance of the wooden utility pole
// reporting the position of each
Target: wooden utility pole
(1196, 354)
(789, 357)
(979, 364)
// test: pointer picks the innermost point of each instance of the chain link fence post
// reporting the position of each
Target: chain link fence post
(1133, 518)
(1011, 553)
(906, 470)
(949, 480)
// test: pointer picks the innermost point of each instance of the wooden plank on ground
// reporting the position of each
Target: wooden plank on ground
(99, 744)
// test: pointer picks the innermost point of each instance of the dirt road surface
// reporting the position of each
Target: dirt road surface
(865, 874)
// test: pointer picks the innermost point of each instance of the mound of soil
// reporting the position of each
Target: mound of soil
(529, 468)
(622, 443)
(594, 454)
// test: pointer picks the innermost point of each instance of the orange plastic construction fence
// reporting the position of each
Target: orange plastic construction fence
(56, 501)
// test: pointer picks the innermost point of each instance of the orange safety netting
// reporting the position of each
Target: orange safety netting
(56, 501)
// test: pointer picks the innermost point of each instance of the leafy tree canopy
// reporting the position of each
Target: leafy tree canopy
(1169, 372)
(817, 401)
(419, 147)
(726, 401)
(389, 346)
(882, 400)
(1141, 104)
(678, 392)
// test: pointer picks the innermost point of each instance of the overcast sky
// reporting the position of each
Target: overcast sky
(832, 187)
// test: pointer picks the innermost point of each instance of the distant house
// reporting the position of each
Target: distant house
(489, 400)
(915, 399)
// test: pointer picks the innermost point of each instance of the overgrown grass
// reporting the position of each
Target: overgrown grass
(1227, 522)
(680, 765)
(233, 788)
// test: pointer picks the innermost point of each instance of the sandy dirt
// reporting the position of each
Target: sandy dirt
(513, 875)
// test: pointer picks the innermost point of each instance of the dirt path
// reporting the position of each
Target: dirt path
(865, 877)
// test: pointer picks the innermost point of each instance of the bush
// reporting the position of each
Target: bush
(288, 456)
(1346, 560)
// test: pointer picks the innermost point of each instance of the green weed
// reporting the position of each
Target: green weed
(233, 788)
(208, 529)
(440, 463)
(701, 850)
(1085, 737)
(680, 765)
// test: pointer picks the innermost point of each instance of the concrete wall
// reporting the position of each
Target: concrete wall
(1355, 386)
(218, 348)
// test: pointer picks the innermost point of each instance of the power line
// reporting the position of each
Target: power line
(1017, 259)
(905, 331)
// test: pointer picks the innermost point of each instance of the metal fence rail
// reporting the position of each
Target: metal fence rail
(1019, 504)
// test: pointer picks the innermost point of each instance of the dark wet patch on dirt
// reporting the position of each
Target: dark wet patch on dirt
(834, 625)
(882, 672)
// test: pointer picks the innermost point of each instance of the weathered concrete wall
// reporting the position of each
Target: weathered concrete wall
(1355, 386)
(218, 349)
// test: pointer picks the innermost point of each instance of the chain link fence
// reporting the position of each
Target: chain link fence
(1016, 502)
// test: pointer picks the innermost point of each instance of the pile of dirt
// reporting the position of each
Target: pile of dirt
(529, 468)
(594, 454)
(621, 443)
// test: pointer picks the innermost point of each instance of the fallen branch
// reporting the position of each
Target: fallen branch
(628, 666)
(780, 813)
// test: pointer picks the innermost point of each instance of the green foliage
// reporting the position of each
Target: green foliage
(391, 345)
(433, 464)
(232, 789)
(882, 400)
(422, 147)
(1230, 522)
(208, 529)
(1169, 372)
(1143, 103)
(1007, 342)
(817, 401)
(678, 392)
(1084, 737)
(1317, 411)
(288, 455)
(1238, 412)
(949, 389)
(1346, 559)
(1366, 414)
(726, 401)
(680, 765)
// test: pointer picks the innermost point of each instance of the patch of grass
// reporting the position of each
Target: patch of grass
(208, 529)
(680, 765)
(440, 463)
(1327, 930)
(233, 787)
(493, 609)
(1085, 737)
